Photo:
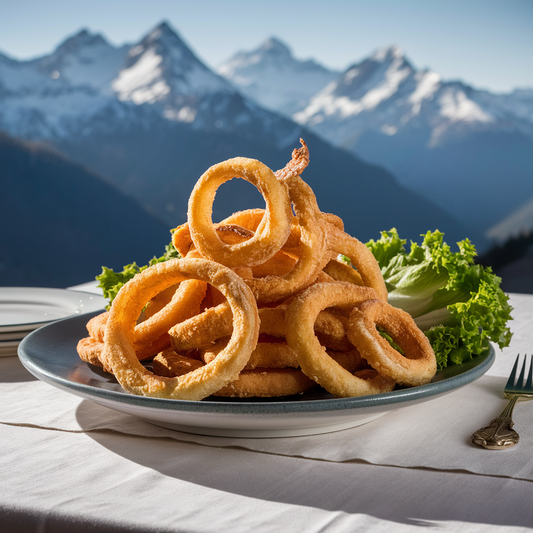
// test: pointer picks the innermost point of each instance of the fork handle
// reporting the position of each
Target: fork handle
(499, 434)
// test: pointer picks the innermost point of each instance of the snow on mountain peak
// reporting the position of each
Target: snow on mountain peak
(272, 54)
(385, 93)
(362, 88)
(274, 46)
(274, 78)
(162, 68)
(85, 59)
(164, 35)
(82, 39)
(388, 53)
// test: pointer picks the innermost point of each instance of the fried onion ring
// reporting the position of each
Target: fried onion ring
(96, 326)
(361, 258)
(272, 231)
(90, 349)
(267, 383)
(313, 358)
(215, 323)
(119, 354)
(313, 255)
(259, 382)
(417, 367)
(342, 272)
(170, 364)
(265, 355)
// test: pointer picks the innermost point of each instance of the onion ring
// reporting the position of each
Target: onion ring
(96, 326)
(265, 355)
(273, 230)
(215, 323)
(338, 241)
(313, 255)
(314, 361)
(259, 382)
(361, 257)
(170, 364)
(267, 383)
(342, 272)
(119, 354)
(89, 349)
(417, 367)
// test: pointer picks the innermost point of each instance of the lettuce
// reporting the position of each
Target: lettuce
(111, 282)
(459, 305)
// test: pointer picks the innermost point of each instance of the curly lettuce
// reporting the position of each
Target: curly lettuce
(458, 304)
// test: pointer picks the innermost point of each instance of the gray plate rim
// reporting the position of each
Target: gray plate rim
(59, 340)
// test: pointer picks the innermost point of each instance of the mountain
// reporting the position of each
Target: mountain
(49, 96)
(62, 222)
(468, 150)
(274, 78)
(161, 68)
(517, 223)
(54, 98)
(165, 117)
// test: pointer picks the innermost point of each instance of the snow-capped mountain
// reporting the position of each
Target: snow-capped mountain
(153, 118)
(84, 59)
(46, 97)
(386, 93)
(469, 150)
(86, 79)
(273, 77)
(161, 68)
(374, 93)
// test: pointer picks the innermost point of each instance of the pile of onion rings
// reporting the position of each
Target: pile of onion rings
(269, 302)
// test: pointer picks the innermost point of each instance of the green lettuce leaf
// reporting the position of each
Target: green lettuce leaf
(458, 304)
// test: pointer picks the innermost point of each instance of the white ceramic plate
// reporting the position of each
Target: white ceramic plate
(16, 336)
(50, 354)
(27, 308)
(9, 344)
(9, 352)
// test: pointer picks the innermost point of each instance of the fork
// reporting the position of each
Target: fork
(499, 434)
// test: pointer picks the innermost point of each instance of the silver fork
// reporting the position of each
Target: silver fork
(499, 434)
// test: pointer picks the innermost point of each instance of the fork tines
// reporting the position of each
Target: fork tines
(517, 386)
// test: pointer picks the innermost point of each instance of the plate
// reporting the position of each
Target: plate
(9, 344)
(27, 308)
(15, 336)
(50, 354)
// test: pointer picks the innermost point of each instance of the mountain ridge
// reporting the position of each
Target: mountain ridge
(277, 89)
(443, 139)
(155, 145)
(65, 221)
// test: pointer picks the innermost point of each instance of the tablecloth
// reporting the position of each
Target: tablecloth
(69, 462)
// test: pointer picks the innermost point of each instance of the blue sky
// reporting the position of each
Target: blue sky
(488, 43)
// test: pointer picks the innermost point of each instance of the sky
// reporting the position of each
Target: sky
(485, 43)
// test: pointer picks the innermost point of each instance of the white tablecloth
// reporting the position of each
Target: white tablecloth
(68, 464)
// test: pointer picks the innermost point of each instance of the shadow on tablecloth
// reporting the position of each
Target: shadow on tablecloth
(402, 495)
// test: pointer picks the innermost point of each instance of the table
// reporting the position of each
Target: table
(68, 464)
